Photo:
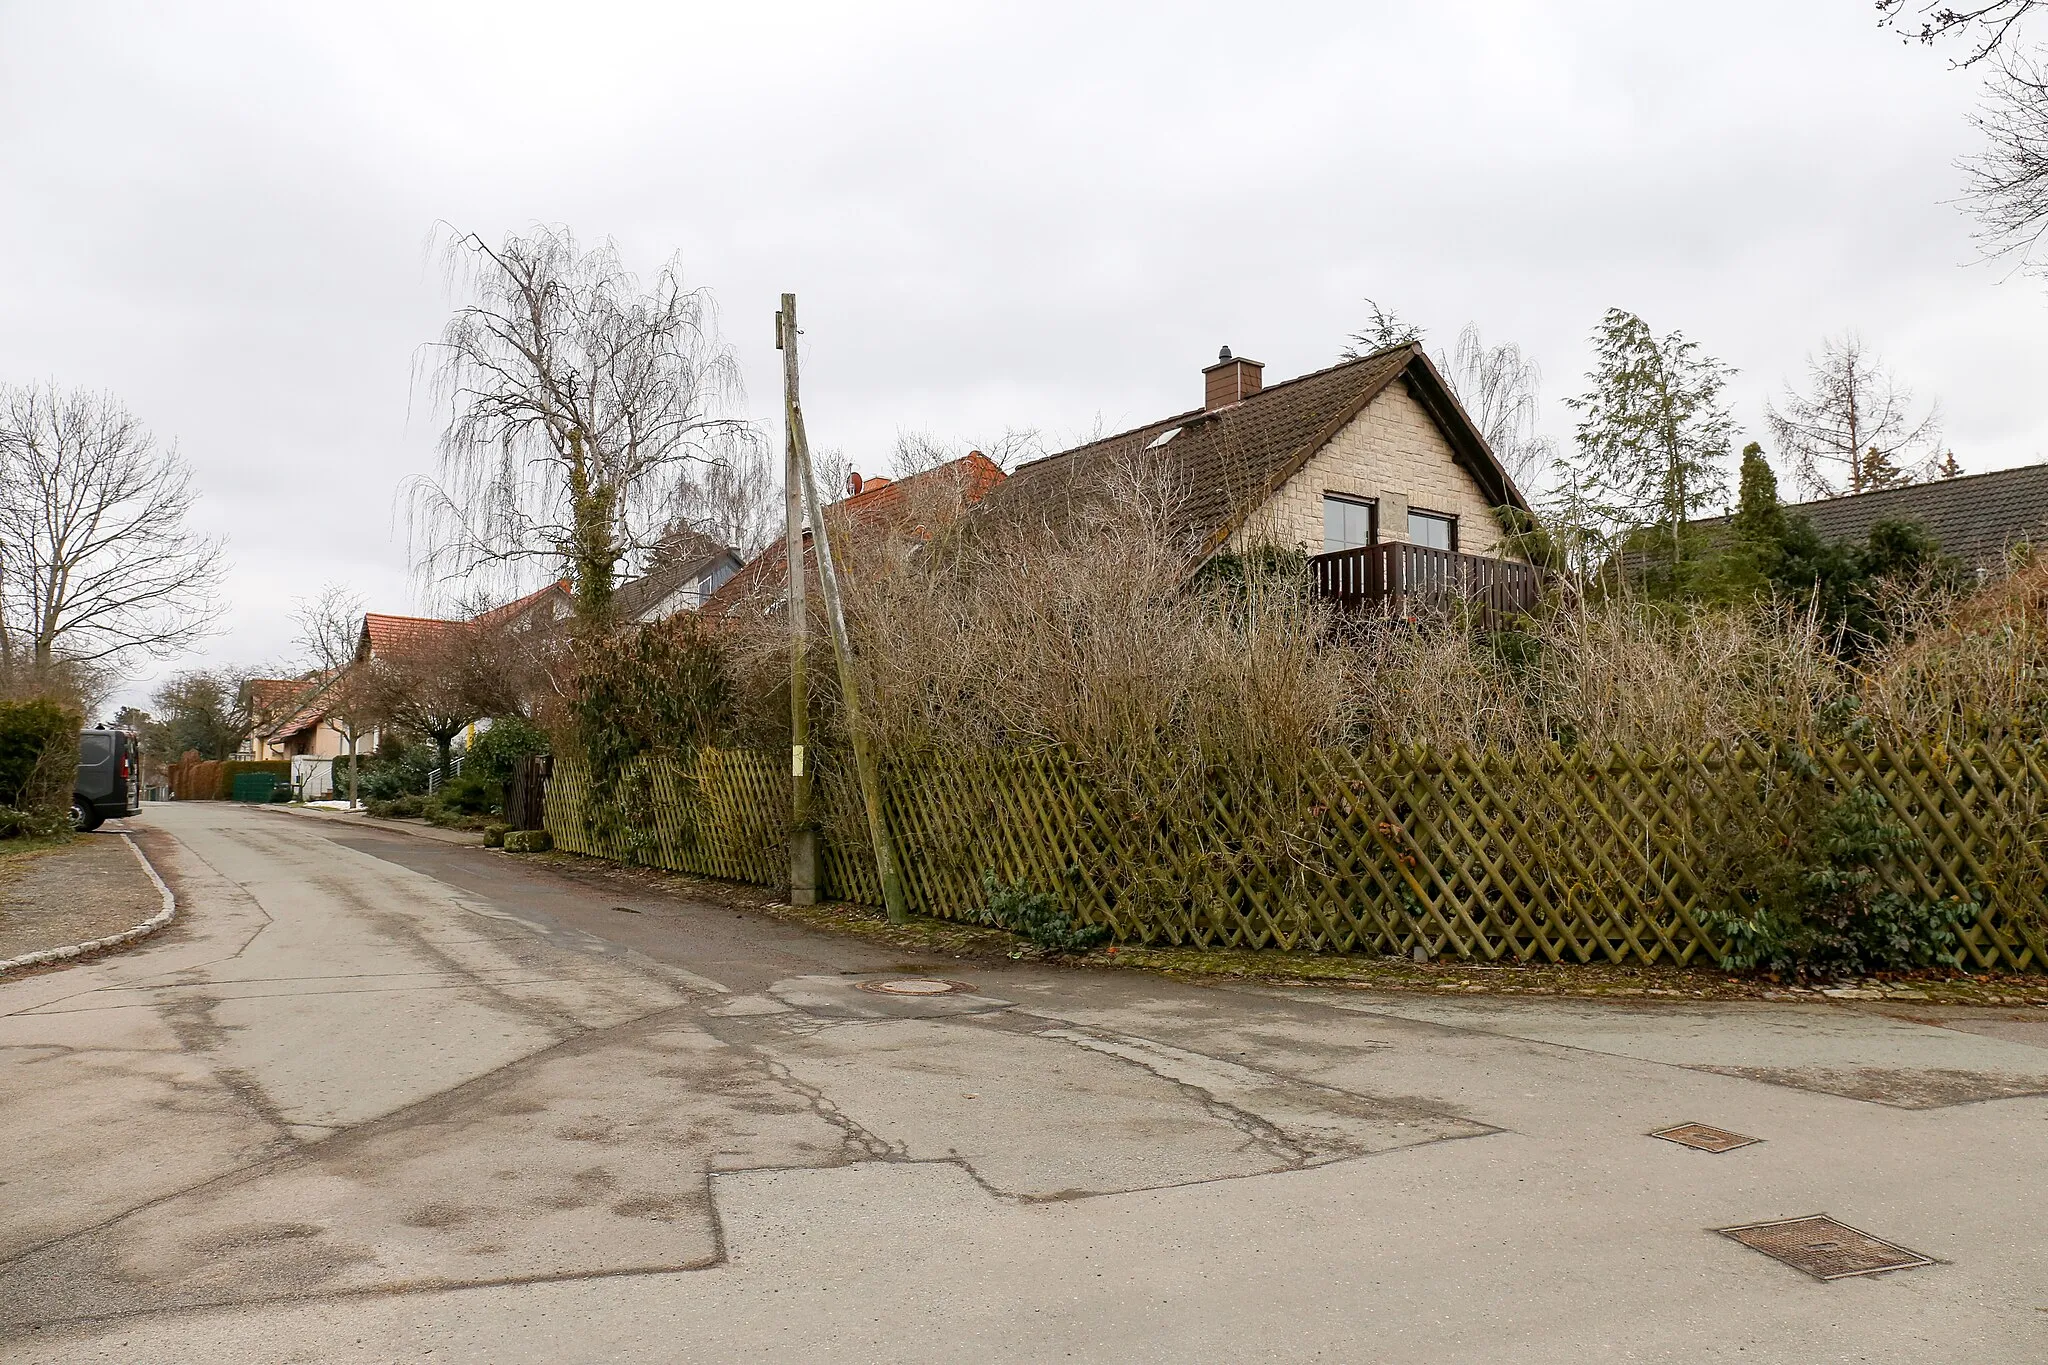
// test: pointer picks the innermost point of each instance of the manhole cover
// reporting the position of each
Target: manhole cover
(914, 985)
(1701, 1137)
(1825, 1249)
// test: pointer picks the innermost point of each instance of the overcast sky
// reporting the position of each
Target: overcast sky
(1045, 215)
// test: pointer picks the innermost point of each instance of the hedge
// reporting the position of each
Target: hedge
(209, 780)
(38, 763)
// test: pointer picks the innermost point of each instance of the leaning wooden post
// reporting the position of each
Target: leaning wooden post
(886, 865)
(803, 833)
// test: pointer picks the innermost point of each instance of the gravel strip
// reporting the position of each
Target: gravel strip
(55, 874)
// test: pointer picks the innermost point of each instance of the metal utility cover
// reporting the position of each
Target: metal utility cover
(1704, 1138)
(1825, 1249)
(915, 986)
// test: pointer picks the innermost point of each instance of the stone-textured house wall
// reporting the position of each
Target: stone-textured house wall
(1392, 453)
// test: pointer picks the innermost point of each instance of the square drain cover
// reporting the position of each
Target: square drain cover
(1703, 1138)
(1825, 1249)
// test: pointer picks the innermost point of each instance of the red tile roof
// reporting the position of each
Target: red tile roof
(889, 504)
(518, 606)
(388, 635)
(270, 698)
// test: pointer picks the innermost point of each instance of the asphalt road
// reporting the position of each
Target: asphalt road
(376, 1098)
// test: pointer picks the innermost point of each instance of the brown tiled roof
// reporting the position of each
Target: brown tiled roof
(1226, 463)
(305, 718)
(894, 505)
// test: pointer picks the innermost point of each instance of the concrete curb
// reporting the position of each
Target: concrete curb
(459, 838)
(143, 930)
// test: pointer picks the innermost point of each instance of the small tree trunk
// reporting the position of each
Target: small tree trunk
(351, 769)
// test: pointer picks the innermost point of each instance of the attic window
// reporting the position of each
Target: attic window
(1163, 437)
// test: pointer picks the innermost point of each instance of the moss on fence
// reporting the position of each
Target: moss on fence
(1542, 856)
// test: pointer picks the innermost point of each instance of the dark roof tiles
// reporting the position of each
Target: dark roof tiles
(1228, 461)
(1975, 517)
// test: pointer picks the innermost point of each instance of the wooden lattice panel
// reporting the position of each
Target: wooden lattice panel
(1540, 856)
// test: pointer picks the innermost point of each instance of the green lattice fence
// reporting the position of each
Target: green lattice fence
(1549, 856)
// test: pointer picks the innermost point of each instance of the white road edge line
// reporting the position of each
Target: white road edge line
(140, 931)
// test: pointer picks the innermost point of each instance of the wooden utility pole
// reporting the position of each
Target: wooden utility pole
(886, 866)
(803, 833)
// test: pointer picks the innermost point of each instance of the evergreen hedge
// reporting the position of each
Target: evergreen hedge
(38, 765)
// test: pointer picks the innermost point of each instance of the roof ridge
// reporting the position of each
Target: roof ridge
(430, 620)
(890, 481)
(1194, 414)
(1923, 483)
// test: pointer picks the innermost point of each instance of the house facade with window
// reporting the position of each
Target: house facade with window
(1357, 462)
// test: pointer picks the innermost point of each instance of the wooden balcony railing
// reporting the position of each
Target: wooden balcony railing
(1400, 579)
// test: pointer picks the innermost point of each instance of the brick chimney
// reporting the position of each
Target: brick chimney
(1229, 380)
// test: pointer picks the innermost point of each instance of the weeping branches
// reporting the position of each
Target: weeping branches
(582, 410)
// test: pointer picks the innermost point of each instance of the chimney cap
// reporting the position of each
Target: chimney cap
(1227, 359)
(1223, 354)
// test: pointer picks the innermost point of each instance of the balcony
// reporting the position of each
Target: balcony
(1395, 578)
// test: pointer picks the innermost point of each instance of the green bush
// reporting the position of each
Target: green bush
(498, 750)
(408, 807)
(398, 768)
(1819, 903)
(38, 766)
(1037, 916)
(469, 793)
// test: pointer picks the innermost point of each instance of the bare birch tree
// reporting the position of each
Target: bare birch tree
(577, 400)
(1853, 428)
(1499, 387)
(736, 501)
(330, 627)
(98, 564)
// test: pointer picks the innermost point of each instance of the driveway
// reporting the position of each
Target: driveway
(378, 1098)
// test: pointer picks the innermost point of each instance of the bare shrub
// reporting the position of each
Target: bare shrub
(1975, 669)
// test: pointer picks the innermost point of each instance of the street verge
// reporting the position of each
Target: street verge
(167, 908)
(1592, 980)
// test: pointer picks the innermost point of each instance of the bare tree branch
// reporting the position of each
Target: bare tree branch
(2009, 180)
(98, 567)
(1853, 428)
(1987, 27)
(1499, 387)
(577, 400)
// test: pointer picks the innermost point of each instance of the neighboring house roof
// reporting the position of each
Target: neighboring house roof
(654, 595)
(552, 601)
(304, 718)
(272, 698)
(388, 635)
(882, 503)
(1230, 460)
(1976, 517)
(283, 707)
